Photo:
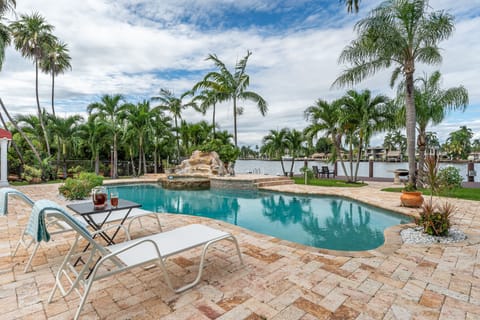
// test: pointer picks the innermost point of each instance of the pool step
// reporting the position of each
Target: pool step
(274, 181)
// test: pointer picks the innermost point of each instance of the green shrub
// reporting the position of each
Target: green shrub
(80, 188)
(75, 170)
(450, 178)
(31, 173)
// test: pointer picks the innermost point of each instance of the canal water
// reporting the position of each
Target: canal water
(380, 169)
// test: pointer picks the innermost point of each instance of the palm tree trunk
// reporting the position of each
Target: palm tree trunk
(114, 170)
(213, 121)
(410, 122)
(178, 140)
(24, 136)
(235, 120)
(155, 159)
(338, 146)
(40, 115)
(13, 142)
(133, 163)
(358, 160)
(97, 162)
(283, 167)
(421, 144)
(291, 167)
(53, 91)
(144, 162)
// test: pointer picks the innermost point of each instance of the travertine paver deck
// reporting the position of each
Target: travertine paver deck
(280, 280)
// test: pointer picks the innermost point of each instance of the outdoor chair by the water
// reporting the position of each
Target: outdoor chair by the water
(104, 261)
(326, 172)
(29, 238)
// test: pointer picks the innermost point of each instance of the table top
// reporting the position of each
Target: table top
(88, 208)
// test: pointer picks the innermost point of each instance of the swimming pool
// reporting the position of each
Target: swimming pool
(320, 221)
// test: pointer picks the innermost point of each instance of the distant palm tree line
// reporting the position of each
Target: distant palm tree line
(398, 32)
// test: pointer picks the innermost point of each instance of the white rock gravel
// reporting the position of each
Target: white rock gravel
(417, 236)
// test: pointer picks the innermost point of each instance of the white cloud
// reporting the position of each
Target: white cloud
(133, 51)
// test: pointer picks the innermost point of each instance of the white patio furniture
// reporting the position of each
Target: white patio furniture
(104, 261)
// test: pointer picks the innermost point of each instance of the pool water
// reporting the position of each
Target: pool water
(320, 221)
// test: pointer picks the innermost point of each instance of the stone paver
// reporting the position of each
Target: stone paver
(280, 280)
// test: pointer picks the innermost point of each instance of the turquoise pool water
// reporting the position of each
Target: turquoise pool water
(319, 221)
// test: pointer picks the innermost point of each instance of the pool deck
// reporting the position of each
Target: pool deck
(279, 280)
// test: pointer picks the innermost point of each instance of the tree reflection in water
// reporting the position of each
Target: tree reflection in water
(286, 212)
(348, 230)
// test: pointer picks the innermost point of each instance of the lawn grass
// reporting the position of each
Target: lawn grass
(328, 182)
(459, 193)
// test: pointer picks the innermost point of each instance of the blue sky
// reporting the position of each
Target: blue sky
(137, 47)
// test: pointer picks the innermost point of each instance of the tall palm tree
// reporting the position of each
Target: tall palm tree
(401, 33)
(30, 34)
(55, 61)
(110, 110)
(67, 133)
(233, 86)
(365, 115)
(432, 104)
(173, 105)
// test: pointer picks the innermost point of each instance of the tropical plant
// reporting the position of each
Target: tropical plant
(431, 105)
(458, 145)
(140, 122)
(55, 61)
(67, 134)
(275, 144)
(110, 110)
(93, 135)
(450, 178)
(233, 86)
(401, 33)
(361, 116)
(228, 153)
(80, 187)
(173, 105)
(434, 218)
(31, 34)
(31, 174)
(352, 5)
(5, 37)
(208, 98)
(324, 118)
(294, 140)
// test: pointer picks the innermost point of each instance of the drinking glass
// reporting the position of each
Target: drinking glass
(114, 199)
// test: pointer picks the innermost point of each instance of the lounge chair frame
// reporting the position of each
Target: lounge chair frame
(145, 251)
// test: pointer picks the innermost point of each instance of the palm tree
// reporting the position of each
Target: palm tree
(208, 98)
(67, 133)
(233, 87)
(55, 61)
(294, 140)
(325, 118)
(400, 33)
(432, 104)
(140, 119)
(110, 110)
(5, 5)
(30, 34)
(352, 5)
(173, 105)
(364, 116)
(93, 134)
(275, 144)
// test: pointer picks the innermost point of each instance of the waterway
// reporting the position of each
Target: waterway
(380, 169)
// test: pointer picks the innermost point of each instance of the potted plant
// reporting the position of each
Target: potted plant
(411, 197)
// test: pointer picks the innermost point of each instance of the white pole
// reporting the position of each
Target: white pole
(3, 163)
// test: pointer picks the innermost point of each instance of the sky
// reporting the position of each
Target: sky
(137, 47)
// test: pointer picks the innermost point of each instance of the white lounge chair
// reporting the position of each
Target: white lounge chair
(102, 262)
(57, 227)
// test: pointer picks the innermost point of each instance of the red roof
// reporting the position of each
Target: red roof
(5, 134)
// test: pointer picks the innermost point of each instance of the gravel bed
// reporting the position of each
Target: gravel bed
(417, 236)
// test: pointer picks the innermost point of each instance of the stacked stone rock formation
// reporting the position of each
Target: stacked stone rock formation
(202, 164)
